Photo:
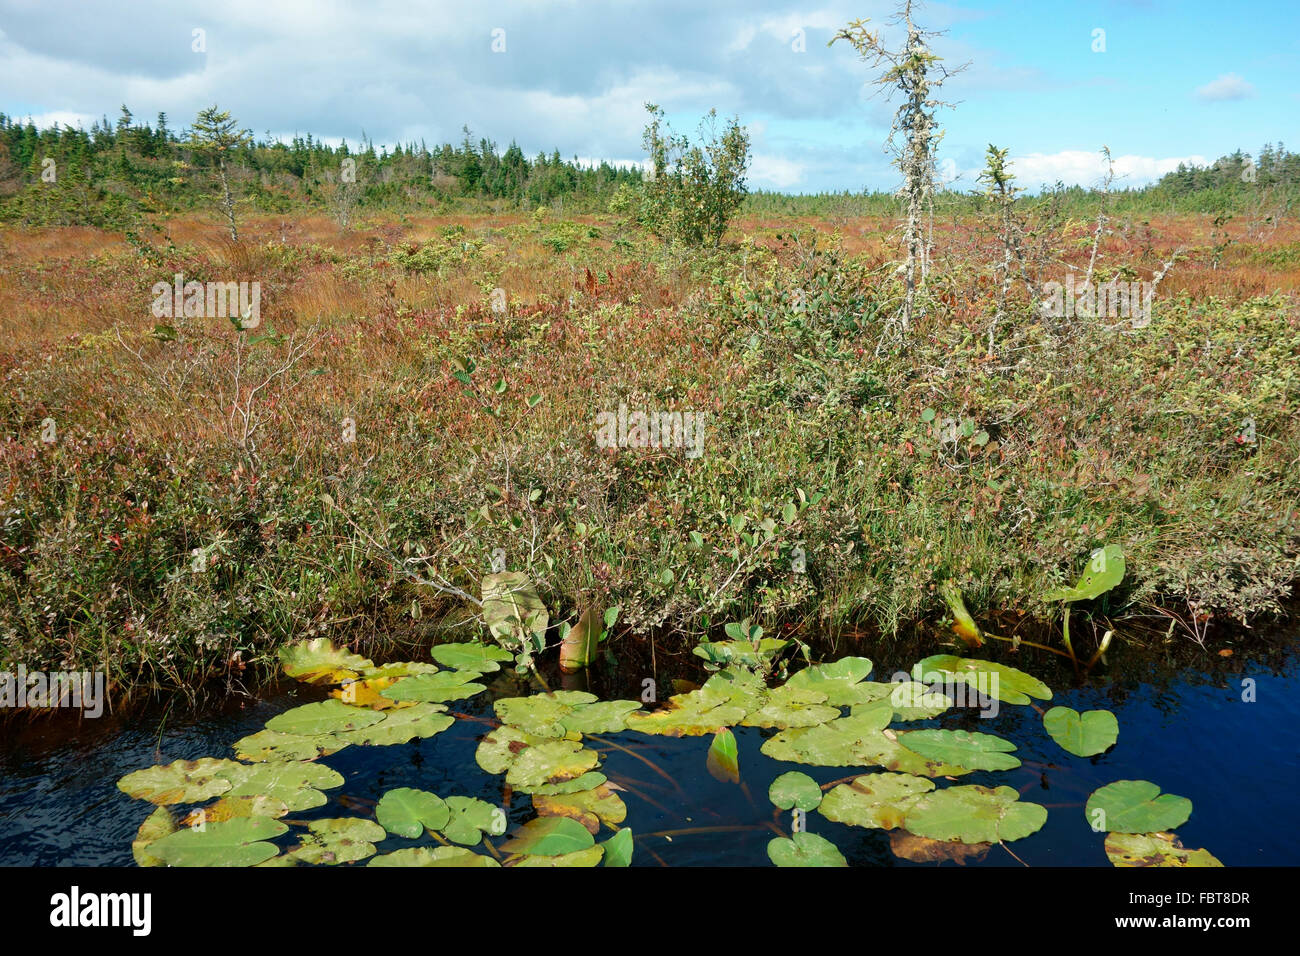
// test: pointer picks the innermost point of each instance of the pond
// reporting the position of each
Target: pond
(1221, 732)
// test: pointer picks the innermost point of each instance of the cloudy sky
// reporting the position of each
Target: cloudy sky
(1164, 81)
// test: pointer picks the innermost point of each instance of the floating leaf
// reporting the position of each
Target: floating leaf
(591, 808)
(399, 669)
(471, 656)
(156, 826)
(433, 856)
(405, 812)
(874, 800)
(805, 849)
(974, 814)
(297, 784)
(987, 678)
(795, 790)
(1084, 735)
(408, 723)
(841, 682)
(323, 717)
(618, 849)
(564, 714)
(551, 762)
(343, 840)
(437, 688)
(915, 701)
(724, 759)
(962, 748)
(1154, 849)
(367, 692)
(791, 707)
(549, 836)
(233, 808)
(1135, 806)
(270, 745)
(470, 818)
(588, 857)
(1104, 571)
(232, 843)
(183, 781)
(320, 662)
(909, 846)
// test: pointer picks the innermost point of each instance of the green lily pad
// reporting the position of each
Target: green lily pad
(588, 781)
(565, 714)
(1135, 806)
(787, 706)
(795, 790)
(433, 856)
(183, 781)
(435, 688)
(805, 849)
(320, 662)
(323, 717)
(1154, 849)
(401, 725)
(405, 812)
(342, 840)
(399, 669)
(843, 682)
(551, 762)
(962, 748)
(471, 818)
(591, 808)
(618, 848)
(471, 656)
(588, 857)
(1084, 735)
(237, 842)
(974, 814)
(875, 800)
(1104, 571)
(914, 701)
(157, 825)
(501, 746)
(549, 836)
(266, 745)
(299, 785)
(989, 679)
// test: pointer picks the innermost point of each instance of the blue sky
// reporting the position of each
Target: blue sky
(1177, 81)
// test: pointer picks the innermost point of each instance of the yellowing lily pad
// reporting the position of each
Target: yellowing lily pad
(320, 662)
(591, 808)
(974, 814)
(182, 781)
(342, 840)
(1154, 849)
(874, 800)
(454, 856)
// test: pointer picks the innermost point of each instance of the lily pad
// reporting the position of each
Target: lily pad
(433, 856)
(549, 836)
(909, 846)
(238, 842)
(787, 706)
(588, 781)
(591, 808)
(805, 849)
(962, 748)
(588, 857)
(298, 785)
(408, 723)
(988, 678)
(1104, 571)
(843, 682)
(183, 781)
(323, 717)
(471, 656)
(915, 701)
(268, 745)
(471, 818)
(874, 800)
(157, 825)
(342, 840)
(974, 814)
(1135, 806)
(551, 762)
(231, 808)
(320, 662)
(1154, 849)
(794, 790)
(436, 688)
(1084, 735)
(406, 812)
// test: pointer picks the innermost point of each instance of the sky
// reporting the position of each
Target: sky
(1157, 81)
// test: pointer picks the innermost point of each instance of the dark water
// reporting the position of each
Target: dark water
(1183, 724)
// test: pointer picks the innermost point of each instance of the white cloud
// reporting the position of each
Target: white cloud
(775, 171)
(1229, 86)
(1077, 167)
